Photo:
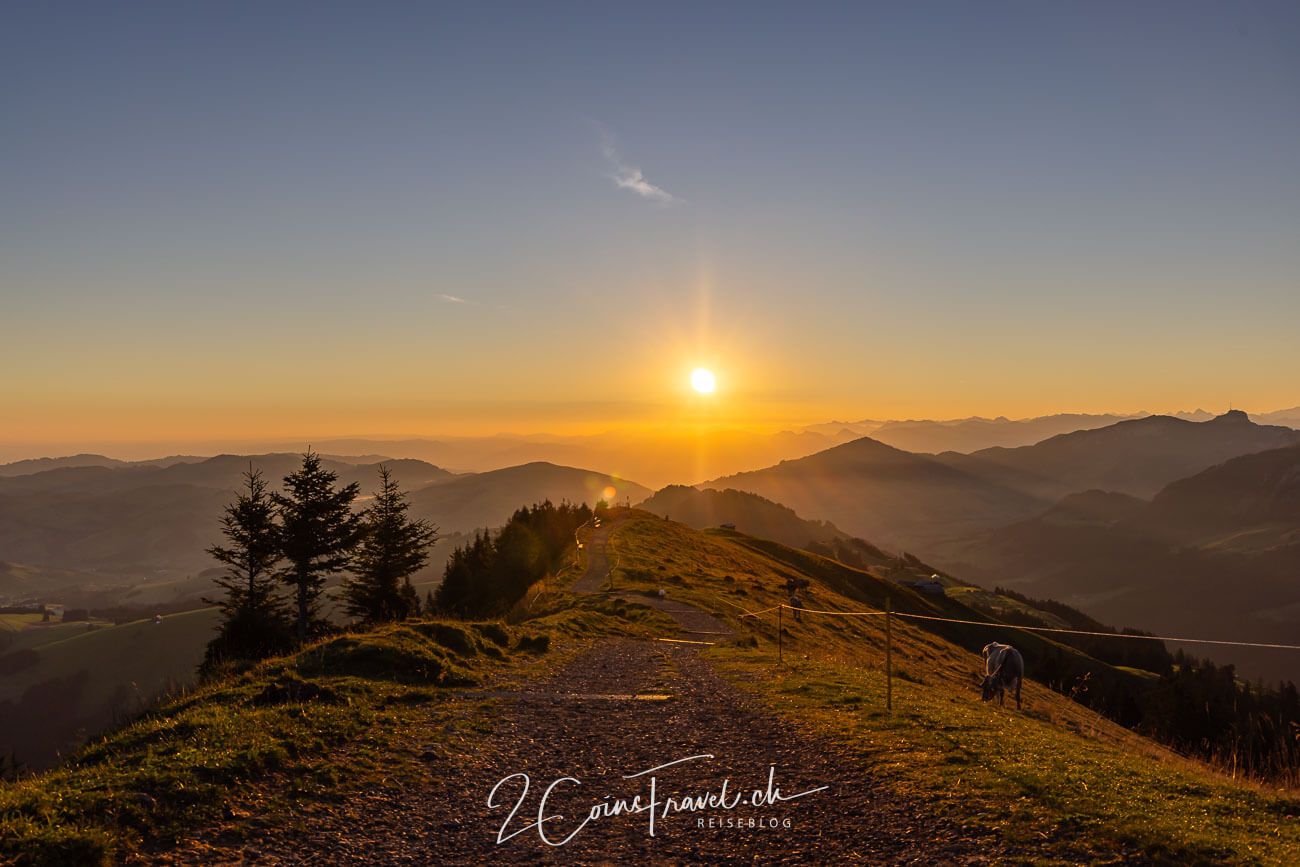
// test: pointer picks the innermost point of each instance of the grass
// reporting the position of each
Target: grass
(1065, 789)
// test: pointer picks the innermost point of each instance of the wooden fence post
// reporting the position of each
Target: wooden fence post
(780, 659)
(889, 660)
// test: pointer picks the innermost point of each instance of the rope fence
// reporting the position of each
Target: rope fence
(1043, 628)
(889, 614)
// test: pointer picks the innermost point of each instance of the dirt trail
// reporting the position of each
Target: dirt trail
(698, 625)
(598, 564)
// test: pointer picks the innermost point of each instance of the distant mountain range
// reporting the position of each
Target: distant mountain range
(659, 456)
(131, 523)
(1137, 457)
(40, 465)
(913, 501)
(1117, 519)
(972, 434)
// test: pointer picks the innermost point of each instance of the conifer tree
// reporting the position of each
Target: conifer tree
(392, 549)
(319, 533)
(255, 620)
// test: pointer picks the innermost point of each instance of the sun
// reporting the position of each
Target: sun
(702, 380)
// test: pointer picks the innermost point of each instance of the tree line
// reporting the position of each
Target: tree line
(281, 546)
(487, 576)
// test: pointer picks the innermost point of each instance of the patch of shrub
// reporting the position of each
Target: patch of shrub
(456, 639)
(534, 643)
(295, 691)
(494, 632)
(398, 654)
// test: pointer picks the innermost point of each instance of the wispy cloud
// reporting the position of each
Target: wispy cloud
(454, 300)
(629, 177)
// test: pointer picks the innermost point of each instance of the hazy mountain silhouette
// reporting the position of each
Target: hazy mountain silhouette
(657, 456)
(972, 434)
(40, 465)
(135, 523)
(892, 497)
(489, 499)
(1286, 417)
(1137, 457)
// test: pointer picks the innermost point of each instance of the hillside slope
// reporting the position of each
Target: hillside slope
(894, 498)
(56, 692)
(749, 513)
(1230, 534)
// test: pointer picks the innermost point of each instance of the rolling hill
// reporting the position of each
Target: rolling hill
(478, 500)
(748, 513)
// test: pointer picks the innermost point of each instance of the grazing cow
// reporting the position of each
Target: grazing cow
(1003, 665)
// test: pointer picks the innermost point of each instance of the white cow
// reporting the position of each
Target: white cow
(1003, 665)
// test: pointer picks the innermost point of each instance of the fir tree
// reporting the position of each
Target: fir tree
(319, 533)
(255, 621)
(393, 548)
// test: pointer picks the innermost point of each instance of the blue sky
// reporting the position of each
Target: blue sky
(863, 210)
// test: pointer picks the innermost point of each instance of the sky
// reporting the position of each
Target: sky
(324, 219)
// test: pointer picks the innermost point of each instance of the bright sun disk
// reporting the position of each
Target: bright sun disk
(702, 380)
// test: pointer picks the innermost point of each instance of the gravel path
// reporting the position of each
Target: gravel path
(597, 562)
(623, 707)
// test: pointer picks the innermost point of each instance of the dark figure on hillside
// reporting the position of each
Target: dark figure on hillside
(795, 604)
(1003, 666)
